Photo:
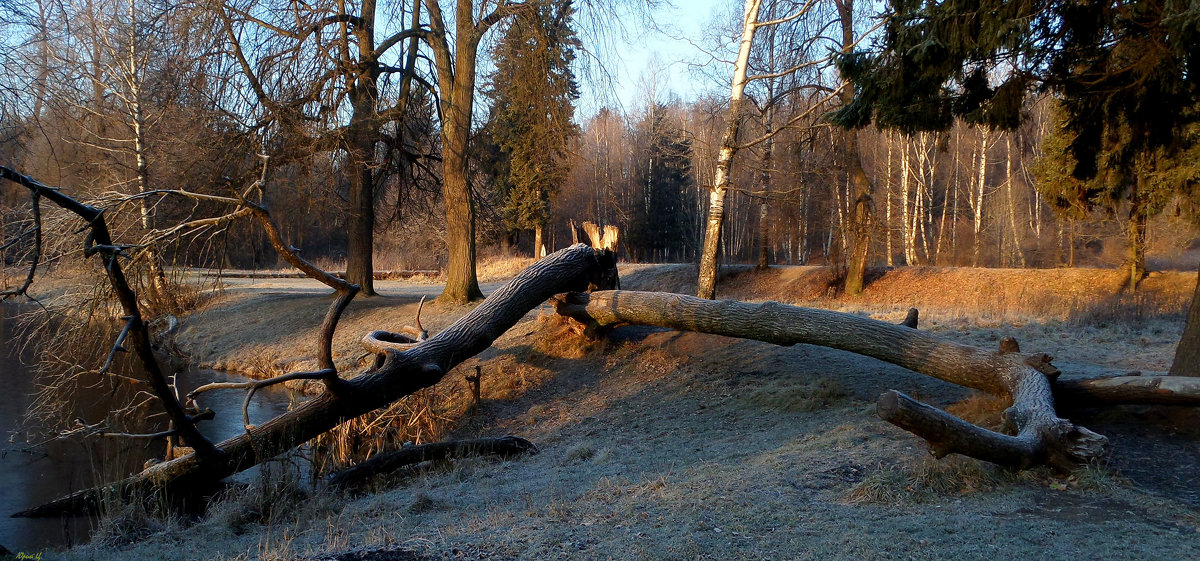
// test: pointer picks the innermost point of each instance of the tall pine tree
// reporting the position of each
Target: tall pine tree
(533, 93)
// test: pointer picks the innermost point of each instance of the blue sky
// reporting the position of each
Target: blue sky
(676, 47)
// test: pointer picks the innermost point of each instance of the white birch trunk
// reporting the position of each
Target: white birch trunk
(707, 281)
(888, 211)
(977, 202)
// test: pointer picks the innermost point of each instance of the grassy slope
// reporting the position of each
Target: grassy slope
(660, 445)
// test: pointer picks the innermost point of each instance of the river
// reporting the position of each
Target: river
(33, 473)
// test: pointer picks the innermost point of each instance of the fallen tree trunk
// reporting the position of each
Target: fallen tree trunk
(396, 375)
(387, 462)
(1129, 390)
(1038, 436)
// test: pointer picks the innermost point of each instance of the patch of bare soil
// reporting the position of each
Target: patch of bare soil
(658, 444)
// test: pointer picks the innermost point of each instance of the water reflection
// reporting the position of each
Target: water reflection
(32, 473)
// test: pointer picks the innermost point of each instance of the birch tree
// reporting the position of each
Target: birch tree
(707, 282)
(796, 79)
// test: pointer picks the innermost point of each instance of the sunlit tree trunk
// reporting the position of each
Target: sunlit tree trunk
(134, 66)
(954, 198)
(1187, 355)
(889, 228)
(1015, 234)
(707, 281)
(538, 242)
(764, 224)
(906, 238)
(360, 144)
(862, 211)
(977, 198)
(1135, 259)
(456, 81)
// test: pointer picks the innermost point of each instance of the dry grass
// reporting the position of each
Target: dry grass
(981, 409)
(425, 416)
(926, 480)
(560, 337)
(993, 295)
(278, 495)
(797, 396)
(500, 267)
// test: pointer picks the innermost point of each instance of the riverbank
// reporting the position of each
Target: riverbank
(657, 444)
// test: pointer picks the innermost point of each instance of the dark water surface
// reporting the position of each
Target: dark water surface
(33, 472)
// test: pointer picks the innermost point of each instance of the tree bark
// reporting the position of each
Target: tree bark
(456, 81)
(462, 284)
(363, 133)
(397, 374)
(707, 280)
(1012, 206)
(538, 243)
(1187, 354)
(360, 145)
(387, 462)
(977, 198)
(1140, 390)
(1041, 436)
(862, 212)
(1135, 259)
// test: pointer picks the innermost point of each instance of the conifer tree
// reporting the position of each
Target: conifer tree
(660, 223)
(533, 93)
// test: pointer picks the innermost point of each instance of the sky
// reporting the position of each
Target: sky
(676, 47)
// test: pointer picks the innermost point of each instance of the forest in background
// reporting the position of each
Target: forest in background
(117, 100)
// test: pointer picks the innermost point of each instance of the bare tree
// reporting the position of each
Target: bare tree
(324, 63)
(707, 283)
(862, 213)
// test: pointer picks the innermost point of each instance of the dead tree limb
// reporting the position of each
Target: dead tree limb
(387, 462)
(136, 332)
(1042, 437)
(398, 375)
(253, 386)
(118, 345)
(380, 341)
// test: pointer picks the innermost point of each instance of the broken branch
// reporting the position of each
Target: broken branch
(119, 345)
(387, 462)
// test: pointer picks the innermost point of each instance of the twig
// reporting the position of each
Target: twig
(323, 374)
(37, 249)
(119, 345)
(97, 429)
